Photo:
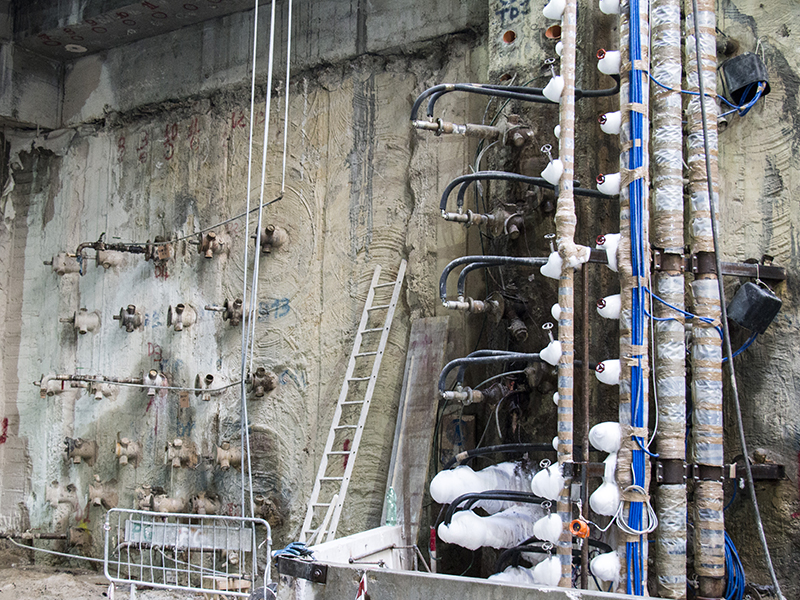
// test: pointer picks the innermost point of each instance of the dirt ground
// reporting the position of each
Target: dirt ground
(21, 579)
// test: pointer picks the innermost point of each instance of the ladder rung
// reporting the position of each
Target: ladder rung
(379, 307)
(321, 504)
(372, 330)
(339, 452)
(359, 379)
(367, 354)
(353, 402)
(345, 426)
(331, 478)
(383, 285)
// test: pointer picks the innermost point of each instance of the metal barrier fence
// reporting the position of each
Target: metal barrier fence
(198, 553)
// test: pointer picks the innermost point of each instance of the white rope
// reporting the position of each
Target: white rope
(286, 102)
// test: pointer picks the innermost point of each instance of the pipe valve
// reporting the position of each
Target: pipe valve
(103, 493)
(64, 263)
(181, 316)
(84, 321)
(205, 384)
(228, 457)
(209, 244)
(182, 452)
(271, 237)
(128, 451)
(79, 450)
(262, 382)
(129, 318)
(154, 379)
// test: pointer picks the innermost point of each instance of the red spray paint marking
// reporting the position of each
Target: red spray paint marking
(345, 447)
(4, 435)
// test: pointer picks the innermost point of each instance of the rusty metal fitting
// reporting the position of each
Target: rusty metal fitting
(272, 237)
(181, 316)
(84, 321)
(128, 451)
(262, 382)
(182, 452)
(228, 456)
(80, 450)
(129, 318)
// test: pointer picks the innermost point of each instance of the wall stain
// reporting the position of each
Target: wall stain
(360, 161)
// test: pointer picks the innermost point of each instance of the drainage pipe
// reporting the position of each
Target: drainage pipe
(706, 356)
(669, 364)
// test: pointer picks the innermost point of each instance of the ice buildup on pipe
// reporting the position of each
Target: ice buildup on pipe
(609, 242)
(554, 9)
(556, 398)
(609, 307)
(548, 572)
(608, 371)
(606, 437)
(555, 439)
(552, 91)
(605, 499)
(608, 61)
(551, 354)
(609, 7)
(559, 48)
(552, 172)
(553, 267)
(548, 482)
(611, 122)
(608, 183)
(515, 575)
(502, 530)
(549, 528)
(606, 567)
(508, 476)
(557, 131)
(555, 310)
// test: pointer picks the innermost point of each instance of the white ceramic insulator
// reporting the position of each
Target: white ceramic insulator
(555, 310)
(613, 123)
(610, 306)
(611, 184)
(609, 64)
(609, 373)
(606, 567)
(610, 245)
(606, 437)
(554, 9)
(551, 354)
(553, 267)
(609, 7)
(552, 91)
(549, 528)
(552, 172)
(548, 572)
(548, 482)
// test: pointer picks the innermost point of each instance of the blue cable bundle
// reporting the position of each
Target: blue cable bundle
(635, 555)
(734, 572)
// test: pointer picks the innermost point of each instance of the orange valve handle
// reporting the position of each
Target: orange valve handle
(579, 528)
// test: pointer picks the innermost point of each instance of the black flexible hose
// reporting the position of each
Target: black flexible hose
(522, 93)
(484, 360)
(502, 448)
(462, 277)
(472, 497)
(463, 369)
(500, 564)
(529, 261)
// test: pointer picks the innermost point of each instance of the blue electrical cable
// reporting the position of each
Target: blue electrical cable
(744, 347)
(734, 572)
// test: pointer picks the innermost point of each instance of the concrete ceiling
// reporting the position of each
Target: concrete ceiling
(66, 29)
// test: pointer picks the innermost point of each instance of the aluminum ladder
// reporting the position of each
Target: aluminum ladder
(333, 477)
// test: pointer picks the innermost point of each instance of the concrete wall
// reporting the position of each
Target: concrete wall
(172, 159)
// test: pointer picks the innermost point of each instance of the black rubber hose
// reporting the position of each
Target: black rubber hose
(505, 495)
(529, 261)
(500, 564)
(522, 93)
(462, 369)
(462, 277)
(502, 448)
(484, 360)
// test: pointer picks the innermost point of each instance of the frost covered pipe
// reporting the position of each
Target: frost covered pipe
(572, 256)
(706, 357)
(448, 485)
(501, 530)
(669, 361)
(633, 259)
